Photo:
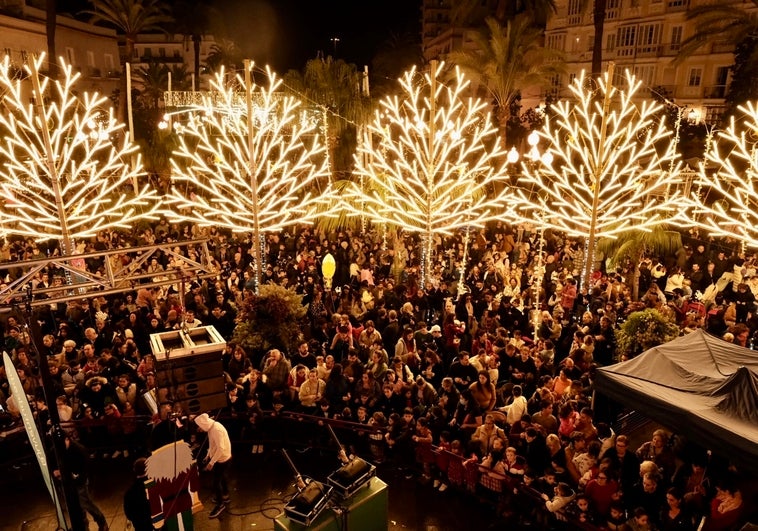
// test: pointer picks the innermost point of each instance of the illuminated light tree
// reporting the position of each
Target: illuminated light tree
(726, 202)
(435, 164)
(62, 177)
(250, 160)
(613, 166)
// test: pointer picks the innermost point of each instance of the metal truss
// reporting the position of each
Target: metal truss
(113, 280)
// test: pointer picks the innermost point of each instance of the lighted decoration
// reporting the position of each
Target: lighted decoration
(328, 267)
(435, 164)
(67, 171)
(726, 201)
(250, 159)
(612, 165)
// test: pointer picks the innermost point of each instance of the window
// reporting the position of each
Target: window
(714, 113)
(646, 74)
(612, 8)
(695, 77)
(676, 38)
(555, 86)
(109, 63)
(162, 52)
(610, 42)
(575, 12)
(70, 55)
(648, 39)
(625, 40)
(90, 58)
(148, 53)
(722, 74)
(556, 41)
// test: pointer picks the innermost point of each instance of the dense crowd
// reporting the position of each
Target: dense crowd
(489, 366)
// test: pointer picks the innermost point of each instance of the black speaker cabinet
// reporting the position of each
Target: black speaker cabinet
(203, 404)
(170, 373)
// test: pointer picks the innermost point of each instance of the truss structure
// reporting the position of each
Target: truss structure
(112, 280)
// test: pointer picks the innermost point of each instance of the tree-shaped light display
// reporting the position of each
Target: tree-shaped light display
(435, 164)
(250, 159)
(64, 173)
(726, 203)
(614, 166)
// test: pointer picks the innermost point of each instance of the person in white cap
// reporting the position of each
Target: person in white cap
(217, 460)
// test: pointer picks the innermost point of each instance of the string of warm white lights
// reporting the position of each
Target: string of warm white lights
(71, 178)
(726, 205)
(214, 161)
(436, 163)
(614, 166)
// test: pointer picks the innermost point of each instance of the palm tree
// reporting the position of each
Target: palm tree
(51, 10)
(507, 58)
(130, 18)
(469, 12)
(631, 246)
(335, 87)
(193, 19)
(154, 81)
(226, 53)
(726, 22)
(598, 21)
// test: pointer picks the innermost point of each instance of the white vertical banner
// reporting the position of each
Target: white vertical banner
(32, 432)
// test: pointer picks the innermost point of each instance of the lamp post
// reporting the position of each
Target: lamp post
(535, 158)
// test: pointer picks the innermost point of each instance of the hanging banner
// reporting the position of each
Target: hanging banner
(30, 425)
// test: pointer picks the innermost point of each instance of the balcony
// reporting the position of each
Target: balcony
(648, 50)
(714, 92)
(94, 72)
(672, 6)
(722, 47)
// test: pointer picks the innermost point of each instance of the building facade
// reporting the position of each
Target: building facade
(172, 50)
(91, 50)
(643, 36)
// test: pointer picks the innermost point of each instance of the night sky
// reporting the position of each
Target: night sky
(286, 33)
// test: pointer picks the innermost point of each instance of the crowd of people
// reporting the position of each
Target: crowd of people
(487, 364)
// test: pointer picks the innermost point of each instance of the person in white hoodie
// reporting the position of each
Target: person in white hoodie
(217, 460)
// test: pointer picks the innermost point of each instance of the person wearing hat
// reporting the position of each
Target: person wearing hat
(217, 460)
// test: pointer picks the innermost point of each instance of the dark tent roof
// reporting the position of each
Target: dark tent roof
(700, 386)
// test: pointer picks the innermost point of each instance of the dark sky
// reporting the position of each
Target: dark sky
(286, 33)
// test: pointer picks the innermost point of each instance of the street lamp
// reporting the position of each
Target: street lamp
(534, 158)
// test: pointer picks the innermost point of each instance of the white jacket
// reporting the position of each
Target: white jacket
(219, 445)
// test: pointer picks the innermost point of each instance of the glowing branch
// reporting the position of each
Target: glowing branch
(87, 186)
(728, 202)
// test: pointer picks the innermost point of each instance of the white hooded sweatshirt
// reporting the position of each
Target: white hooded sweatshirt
(219, 445)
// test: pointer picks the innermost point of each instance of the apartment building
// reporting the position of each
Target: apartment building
(643, 36)
(171, 50)
(92, 50)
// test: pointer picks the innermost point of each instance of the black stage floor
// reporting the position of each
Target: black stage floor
(261, 484)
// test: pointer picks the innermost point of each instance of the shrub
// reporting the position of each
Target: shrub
(644, 330)
(270, 319)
